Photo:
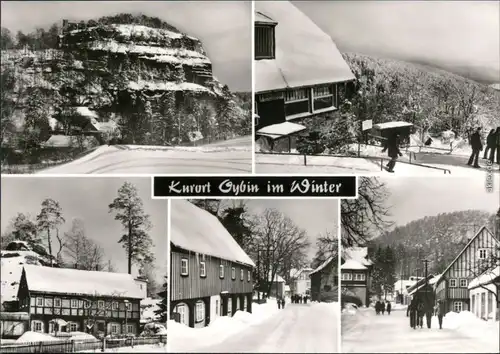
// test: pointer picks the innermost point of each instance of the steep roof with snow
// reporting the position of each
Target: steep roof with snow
(305, 55)
(322, 265)
(352, 264)
(196, 230)
(12, 263)
(356, 258)
(486, 278)
(81, 282)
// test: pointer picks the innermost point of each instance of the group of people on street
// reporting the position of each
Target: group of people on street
(299, 299)
(381, 307)
(492, 146)
(419, 308)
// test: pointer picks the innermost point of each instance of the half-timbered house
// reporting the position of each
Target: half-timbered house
(325, 281)
(299, 72)
(211, 275)
(61, 299)
(452, 285)
(356, 273)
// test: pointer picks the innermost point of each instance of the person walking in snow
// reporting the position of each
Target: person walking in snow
(388, 307)
(283, 303)
(412, 310)
(491, 144)
(392, 147)
(382, 307)
(279, 303)
(497, 137)
(420, 314)
(428, 314)
(377, 307)
(440, 312)
(477, 146)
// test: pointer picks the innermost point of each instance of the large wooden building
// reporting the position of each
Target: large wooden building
(356, 273)
(61, 299)
(325, 281)
(299, 72)
(452, 286)
(211, 275)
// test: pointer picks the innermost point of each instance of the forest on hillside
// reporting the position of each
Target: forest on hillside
(437, 238)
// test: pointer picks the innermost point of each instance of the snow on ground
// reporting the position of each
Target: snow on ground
(30, 336)
(11, 269)
(148, 308)
(298, 328)
(267, 163)
(151, 348)
(370, 333)
(158, 159)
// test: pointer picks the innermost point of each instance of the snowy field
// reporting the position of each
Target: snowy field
(299, 328)
(363, 331)
(152, 348)
(233, 156)
(266, 163)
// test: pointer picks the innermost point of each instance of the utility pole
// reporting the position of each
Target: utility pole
(401, 283)
(426, 262)
(258, 273)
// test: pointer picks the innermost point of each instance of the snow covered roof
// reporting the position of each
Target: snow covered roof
(486, 278)
(59, 141)
(263, 18)
(495, 86)
(81, 282)
(86, 112)
(276, 131)
(322, 266)
(353, 265)
(403, 285)
(390, 125)
(196, 230)
(277, 278)
(294, 273)
(485, 229)
(305, 55)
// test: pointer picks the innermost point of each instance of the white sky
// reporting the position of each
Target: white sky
(224, 27)
(457, 35)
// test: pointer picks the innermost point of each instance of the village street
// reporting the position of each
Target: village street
(299, 328)
(369, 333)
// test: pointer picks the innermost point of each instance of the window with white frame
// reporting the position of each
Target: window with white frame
(242, 276)
(359, 276)
(297, 102)
(114, 305)
(490, 302)
(114, 329)
(322, 97)
(39, 301)
(245, 304)
(57, 302)
(184, 266)
(221, 271)
(128, 306)
(463, 283)
(37, 326)
(72, 327)
(217, 307)
(88, 304)
(100, 304)
(482, 253)
(346, 276)
(233, 273)
(182, 310)
(49, 302)
(473, 303)
(74, 303)
(249, 277)
(200, 311)
(453, 283)
(130, 328)
(458, 306)
(203, 269)
(264, 42)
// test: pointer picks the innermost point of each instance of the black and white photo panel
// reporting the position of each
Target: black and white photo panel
(420, 267)
(254, 275)
(123, 87)
(377, 87)
(84, 265)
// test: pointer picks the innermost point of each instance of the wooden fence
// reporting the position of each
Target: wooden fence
(72, 346)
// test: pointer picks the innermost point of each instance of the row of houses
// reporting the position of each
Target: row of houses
(212, 276)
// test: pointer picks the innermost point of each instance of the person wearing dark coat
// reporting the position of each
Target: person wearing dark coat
(491, 144)
(377, 307)
(428, 314)
(497, 138)
(440, 312)
(420, 314)
(392, 147)
(388, 308)
(283, 303)
(382, 307)
(477, 146)
(412, 310)
(279, 303)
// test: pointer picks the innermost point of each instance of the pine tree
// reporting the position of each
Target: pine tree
(163, 305)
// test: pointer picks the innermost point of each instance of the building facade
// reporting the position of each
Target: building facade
(452, 286)
(69, 300)
(483, 292)
(356, 273)
(325, 281)
(293, 84)
(211, 275)
(301, 282)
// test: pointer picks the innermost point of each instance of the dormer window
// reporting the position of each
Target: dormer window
(264, 37)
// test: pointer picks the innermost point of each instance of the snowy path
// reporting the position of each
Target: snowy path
(347, 165)
(368, 333)
(131, 159)
(299, 328)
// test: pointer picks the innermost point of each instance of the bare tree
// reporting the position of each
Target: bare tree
(366, 215)
(83, 252)
(276, 239)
